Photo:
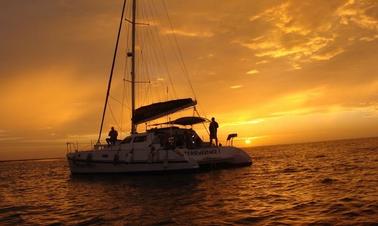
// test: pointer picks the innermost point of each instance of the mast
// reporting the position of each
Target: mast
(133, 35)
(111, 71)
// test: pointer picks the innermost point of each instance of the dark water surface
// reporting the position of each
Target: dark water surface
(333, 183)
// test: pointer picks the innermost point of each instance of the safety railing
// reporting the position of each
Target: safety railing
(75, 146)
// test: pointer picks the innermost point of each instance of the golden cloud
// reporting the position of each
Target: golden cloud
(328, 55)
(236, 86)
(252, 72)
(194, 34)
(355, 12)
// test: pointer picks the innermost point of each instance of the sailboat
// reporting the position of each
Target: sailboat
(168, 146)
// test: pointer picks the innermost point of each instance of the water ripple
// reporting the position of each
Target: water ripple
(326, 183)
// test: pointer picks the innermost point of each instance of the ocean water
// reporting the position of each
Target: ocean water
(326, 183)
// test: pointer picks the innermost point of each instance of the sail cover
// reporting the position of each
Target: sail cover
(161, 109)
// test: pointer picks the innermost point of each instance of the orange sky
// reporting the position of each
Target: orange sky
(273, 71)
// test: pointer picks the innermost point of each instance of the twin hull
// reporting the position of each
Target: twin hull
(113, 160)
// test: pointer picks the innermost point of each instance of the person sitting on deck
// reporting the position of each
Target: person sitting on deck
(213, 127)
(113, 134)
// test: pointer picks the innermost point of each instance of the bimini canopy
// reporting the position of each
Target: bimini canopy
(187, 121)
(184, 121)
(161, 109)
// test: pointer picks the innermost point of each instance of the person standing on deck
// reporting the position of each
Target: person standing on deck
(113, 134)
(213, 127)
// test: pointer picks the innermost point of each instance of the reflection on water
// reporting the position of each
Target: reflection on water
(321, 183)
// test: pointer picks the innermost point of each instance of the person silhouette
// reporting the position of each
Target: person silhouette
(213, 127)
(113, 134)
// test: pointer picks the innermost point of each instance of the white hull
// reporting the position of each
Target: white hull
(123, 167)
(231, 156)
(145, 152)
(108, 161)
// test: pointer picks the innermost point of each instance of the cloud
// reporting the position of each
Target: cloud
(236, 87)
(328, 55)
(355, 12)
(194, 34)
(261, 62)
(281, 18)
(304, 50)
(298, 53)
(298, 34)
(369, 38)
(252, 72)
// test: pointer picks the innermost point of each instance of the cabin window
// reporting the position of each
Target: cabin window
(127, 140)
(140, 139)
(104, 156)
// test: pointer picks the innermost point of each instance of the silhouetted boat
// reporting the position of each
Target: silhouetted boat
(167, 147)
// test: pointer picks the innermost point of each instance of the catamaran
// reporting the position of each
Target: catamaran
(164, 146)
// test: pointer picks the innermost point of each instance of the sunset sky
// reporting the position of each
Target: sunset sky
(273, 71)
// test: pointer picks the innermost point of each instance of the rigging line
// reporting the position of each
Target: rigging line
(127, 50)
(133, 61)
(111, 71)
(148, 62)
(154, 56)
(173, 33)
(113, 117)
(203, 123)
(124, 93)
(146, 69)
(177, 53)
(144, 64)
(173, 45)
(156, 63)
(160, 69)
(144, 52)
(155, 59)
(140, 59)
(118, 101)
(164, 56)
(145, 41)
(170, 52)
(151, 65)
(141, 62)
(186, 72)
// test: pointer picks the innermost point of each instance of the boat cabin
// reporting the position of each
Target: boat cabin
(164, 138)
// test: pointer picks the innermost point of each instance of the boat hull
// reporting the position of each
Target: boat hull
(220, 156)
(126, 161)
(129, 161)
(95, 167)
